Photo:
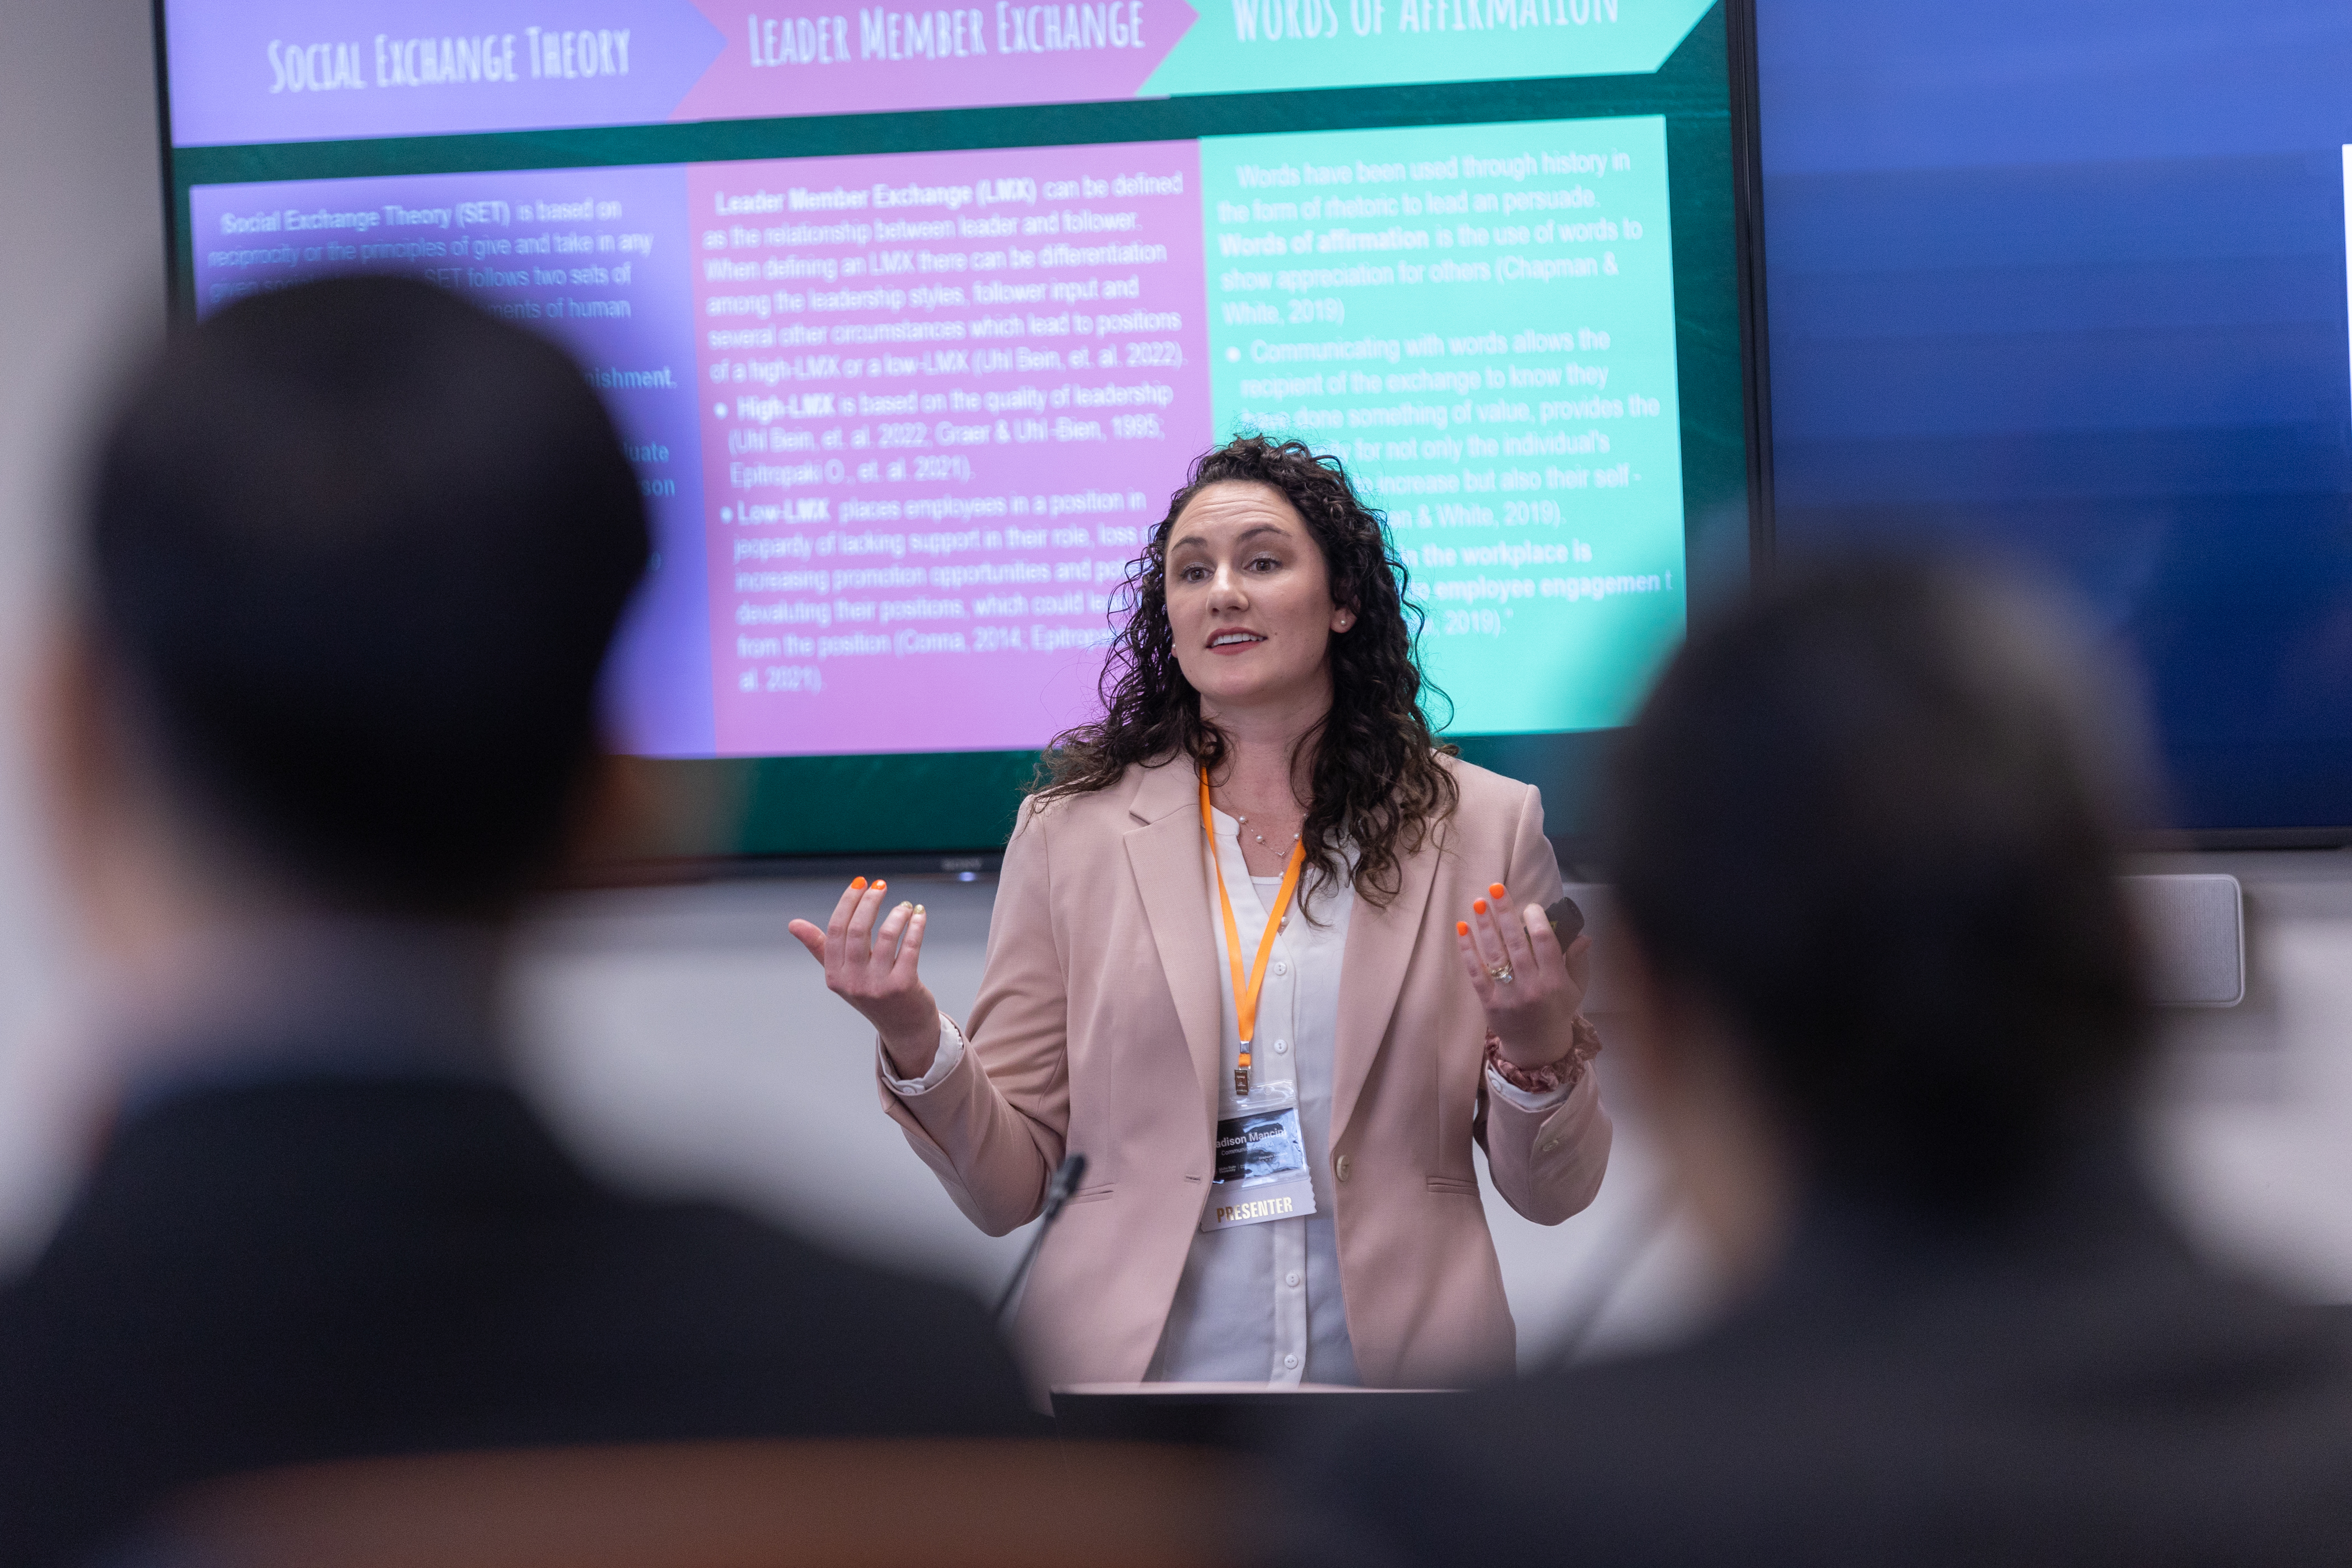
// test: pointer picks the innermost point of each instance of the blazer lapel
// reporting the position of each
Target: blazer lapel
(1165, 855)
(1380, 943)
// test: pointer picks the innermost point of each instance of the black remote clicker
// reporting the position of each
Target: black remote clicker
(1566, 921)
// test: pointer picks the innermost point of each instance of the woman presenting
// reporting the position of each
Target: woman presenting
(1272, 962)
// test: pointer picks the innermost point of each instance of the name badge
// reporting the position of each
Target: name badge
(1261, 1170)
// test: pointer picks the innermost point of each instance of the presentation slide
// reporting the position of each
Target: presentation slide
(905, 420)
(914, 319)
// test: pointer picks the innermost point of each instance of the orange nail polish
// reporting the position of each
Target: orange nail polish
(1496, 892)
(880, 885)
(1461, 928)
(1478, 906)
(857, 884)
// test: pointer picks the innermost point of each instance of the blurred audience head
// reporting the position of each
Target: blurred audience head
(1863, 836)
(353, 554)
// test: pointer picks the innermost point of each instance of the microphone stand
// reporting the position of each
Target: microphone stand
(1058, 1195)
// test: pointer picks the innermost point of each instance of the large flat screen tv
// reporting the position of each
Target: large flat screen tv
(914, 319)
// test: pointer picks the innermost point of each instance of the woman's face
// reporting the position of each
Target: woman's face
(1249, 599)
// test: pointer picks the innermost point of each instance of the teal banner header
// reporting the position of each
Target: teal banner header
(1280, 46)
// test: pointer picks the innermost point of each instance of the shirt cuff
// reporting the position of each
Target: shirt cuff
(943, 1062)
(1526, 1099)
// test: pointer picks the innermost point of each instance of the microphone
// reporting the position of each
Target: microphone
(1057, 1196)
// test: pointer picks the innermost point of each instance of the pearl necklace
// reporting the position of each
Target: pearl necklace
(1243, 821)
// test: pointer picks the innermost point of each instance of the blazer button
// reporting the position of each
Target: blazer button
(1340, 1168)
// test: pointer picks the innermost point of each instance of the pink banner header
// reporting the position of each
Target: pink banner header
(873, 59)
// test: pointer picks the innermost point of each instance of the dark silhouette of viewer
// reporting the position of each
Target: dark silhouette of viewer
(323, 717)
(1885, 1007)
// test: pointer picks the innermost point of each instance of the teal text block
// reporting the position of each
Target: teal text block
(1479, 322)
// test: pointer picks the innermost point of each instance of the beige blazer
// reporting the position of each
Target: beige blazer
(1099, 1029)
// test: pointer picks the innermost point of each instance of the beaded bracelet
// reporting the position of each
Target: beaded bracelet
(1585, 1044)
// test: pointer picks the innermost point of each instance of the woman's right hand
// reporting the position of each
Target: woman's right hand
(873, 970)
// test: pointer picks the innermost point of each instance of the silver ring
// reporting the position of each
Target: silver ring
(1500, 974)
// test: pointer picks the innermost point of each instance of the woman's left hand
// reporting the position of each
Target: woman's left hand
(1533, 1011)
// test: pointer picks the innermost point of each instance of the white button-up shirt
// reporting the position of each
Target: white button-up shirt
(1260, 1303)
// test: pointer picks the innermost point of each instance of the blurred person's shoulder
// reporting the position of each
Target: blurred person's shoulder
(826, 1344)
(2159, 1414)
(268, 1273)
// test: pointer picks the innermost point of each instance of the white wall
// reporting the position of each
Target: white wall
(2251, 1113)
(683, 1040)
(81, 259)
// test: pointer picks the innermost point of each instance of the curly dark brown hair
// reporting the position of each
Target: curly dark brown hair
(1377, 782)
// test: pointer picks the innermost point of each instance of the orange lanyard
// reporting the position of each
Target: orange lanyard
(1245, 994)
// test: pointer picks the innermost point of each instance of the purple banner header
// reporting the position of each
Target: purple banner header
(246, 72)
(294, 70)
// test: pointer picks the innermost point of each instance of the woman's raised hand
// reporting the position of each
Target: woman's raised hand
(873, 968)
(1529, 988)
